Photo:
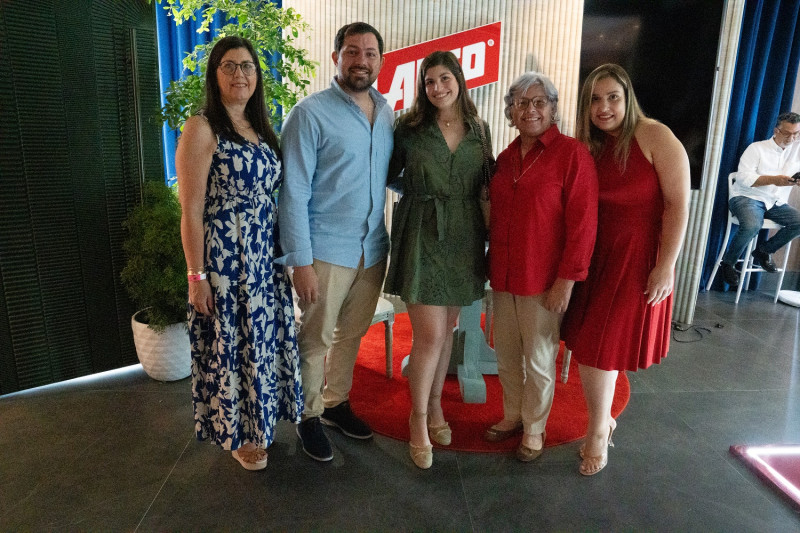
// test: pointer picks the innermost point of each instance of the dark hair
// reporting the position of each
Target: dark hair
(256, 109)
(356, 28)
(789, 116)
(592, 136)
(423, 111)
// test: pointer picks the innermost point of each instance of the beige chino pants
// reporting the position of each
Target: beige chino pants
(330, 331)
(526, 341)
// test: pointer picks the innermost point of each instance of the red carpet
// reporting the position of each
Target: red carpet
(385, 403)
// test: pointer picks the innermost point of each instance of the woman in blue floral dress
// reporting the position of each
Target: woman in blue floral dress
(245, 365)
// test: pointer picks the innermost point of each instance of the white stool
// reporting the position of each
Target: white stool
(747, 260)
(384, 312)
(565, 364)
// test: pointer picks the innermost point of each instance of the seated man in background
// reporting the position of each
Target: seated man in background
(767, 171)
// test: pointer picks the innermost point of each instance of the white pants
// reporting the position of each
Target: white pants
(330, 331)
(526, 341)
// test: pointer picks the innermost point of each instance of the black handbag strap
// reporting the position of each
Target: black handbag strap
(488, 160)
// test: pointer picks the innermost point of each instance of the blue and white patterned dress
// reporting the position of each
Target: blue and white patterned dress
(245, 364)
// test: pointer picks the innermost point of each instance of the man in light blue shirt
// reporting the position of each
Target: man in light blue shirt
(336, 147)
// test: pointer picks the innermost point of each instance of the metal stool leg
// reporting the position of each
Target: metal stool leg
(565, 364)
(782, 271)
(388, 324)
(747, 267)
(721, 252)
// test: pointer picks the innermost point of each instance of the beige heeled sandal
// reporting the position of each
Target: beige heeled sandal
(611, 429)
(254, 459)
(592, 464)
(421, 455)
(441, 434)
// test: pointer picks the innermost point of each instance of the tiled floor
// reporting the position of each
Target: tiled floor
(118, 454)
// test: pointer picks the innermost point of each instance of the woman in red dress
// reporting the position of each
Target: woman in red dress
(620, 318)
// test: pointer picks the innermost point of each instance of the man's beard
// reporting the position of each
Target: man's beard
(357, 83)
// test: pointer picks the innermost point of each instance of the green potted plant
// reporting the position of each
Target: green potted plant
(155, 279)
(272, 30)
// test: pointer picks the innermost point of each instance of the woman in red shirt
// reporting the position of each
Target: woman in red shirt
(542, 230)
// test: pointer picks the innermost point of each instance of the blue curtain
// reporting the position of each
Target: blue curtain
(763, 86)
(174, 42)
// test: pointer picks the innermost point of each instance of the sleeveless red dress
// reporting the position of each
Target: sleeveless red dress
(608, 324)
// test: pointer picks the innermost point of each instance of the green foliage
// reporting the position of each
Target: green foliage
(272, 30)
(155, 273)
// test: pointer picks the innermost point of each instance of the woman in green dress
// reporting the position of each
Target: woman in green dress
(438, 235)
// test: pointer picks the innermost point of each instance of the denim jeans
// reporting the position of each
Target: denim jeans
(751, 214)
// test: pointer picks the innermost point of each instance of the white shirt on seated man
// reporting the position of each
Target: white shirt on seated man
(767, 173)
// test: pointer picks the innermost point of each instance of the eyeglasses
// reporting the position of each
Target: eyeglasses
(229, 68)
(523, 103)
(789, 134)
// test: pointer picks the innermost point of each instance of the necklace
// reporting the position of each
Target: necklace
(443, 121)
(519, 177)
(240, 126)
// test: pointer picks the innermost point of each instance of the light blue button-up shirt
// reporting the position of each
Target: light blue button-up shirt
(331, 202)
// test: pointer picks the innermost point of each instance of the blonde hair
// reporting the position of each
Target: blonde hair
(592, 136)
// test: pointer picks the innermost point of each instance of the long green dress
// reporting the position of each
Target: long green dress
(438, 236)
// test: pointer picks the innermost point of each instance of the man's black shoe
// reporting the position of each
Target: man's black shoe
(315, 442)
(765, 260)
(348, 423)
(729, 274)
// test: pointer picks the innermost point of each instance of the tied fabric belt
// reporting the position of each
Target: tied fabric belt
(438, 207)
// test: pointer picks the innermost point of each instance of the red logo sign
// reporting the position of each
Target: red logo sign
(477, 49)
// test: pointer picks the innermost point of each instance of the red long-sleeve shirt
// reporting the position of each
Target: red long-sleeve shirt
(543, 227)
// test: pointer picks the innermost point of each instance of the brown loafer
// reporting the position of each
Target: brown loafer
(498, 435)
(526, 455)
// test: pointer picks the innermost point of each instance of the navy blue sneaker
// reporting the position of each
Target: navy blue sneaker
(346, 421)
(314, 440)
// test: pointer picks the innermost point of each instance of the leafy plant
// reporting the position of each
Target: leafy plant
(273, 32)
(155, 272)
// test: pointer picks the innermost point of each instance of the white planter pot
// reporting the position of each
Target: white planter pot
(164, 356)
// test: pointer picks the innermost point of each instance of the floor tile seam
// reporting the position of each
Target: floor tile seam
(756, 338)
(464, 495)
(740, 330)
(720, 391)
(31, 493)
(764, 318)
(161, 487)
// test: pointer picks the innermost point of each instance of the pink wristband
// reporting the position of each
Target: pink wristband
(197, 277)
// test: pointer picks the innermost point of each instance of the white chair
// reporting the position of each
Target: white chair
(384, 312)
(747, 260)
(565, 364)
